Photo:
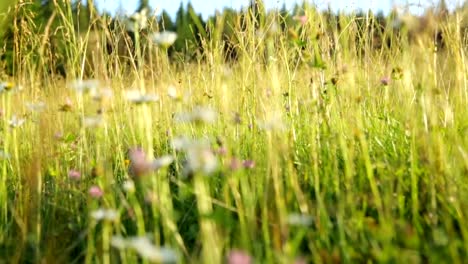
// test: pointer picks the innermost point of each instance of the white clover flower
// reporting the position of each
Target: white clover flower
(203, 114)
(146, 249)
(198, 115)
(172, 92)
(85, 86)
(6, 86)
(137, 97)
(138, 21)
(129, 186)
(199, 155)
(227, 72)
(36, 107)
(181, 143)
(274, 123)
(299, 220)
(15, 122)
(140, 165)
(4, 155)
(274, 28)
(164, 38)
(118, 242)
(201, 158)
(105, 214)
(93, 121)
(103, 94)
(163, 161)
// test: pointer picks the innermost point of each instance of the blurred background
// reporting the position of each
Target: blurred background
(208, 7)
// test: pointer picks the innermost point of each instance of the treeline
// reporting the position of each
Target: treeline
(43, 30)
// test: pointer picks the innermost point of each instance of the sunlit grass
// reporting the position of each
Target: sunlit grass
(315, 148)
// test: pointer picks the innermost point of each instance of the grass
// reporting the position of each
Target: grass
(318, 160)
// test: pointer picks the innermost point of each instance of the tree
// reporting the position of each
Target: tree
(165, 22)
(182, 28)
(83, 17)
(144, 4)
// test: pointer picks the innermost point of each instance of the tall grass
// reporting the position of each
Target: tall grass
(328, 148)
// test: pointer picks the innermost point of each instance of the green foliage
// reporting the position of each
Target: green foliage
(4, 5)
(265, 136)
(189, 29)
(165, 22)
(4, 17)
(144, 4)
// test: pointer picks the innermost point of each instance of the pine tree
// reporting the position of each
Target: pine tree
(182, 29)
(83, 17)
(144, 4)
(165, 22)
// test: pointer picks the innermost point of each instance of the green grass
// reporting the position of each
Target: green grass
(347, 170)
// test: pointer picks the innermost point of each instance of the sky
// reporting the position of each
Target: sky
(208, 7)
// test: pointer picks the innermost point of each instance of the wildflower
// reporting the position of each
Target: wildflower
(239, 257)
(172, 93)
(165, 38)
(36, 107)
(140, 165)
(300, 261)
(95, 191)
(146, 249)
(273, 124)
(74, 174)
(137, 97)
(15, 122)
(163, 161)
(119, 242)
(137, 21)
(92, 121)
(385, 81)
(4, 155)
(151, 197)
(274, 29)
(248, 164)
(198, 115)
(301, 19)
(235, 164)
(227, 72)
(58, 135)
(105, 214)
(299, 219)
(128, 186)
(221, 151)
(101, 95)
(85, 86)
(199, 156)
(66, 106)
(6, 86)
(180, 143)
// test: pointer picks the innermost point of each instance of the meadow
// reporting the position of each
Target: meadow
(325, 142)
